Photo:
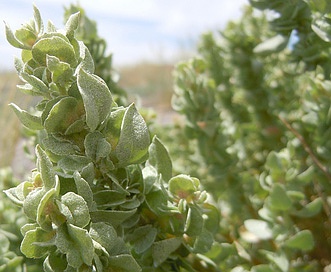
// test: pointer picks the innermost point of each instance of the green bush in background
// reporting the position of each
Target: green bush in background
(257, 106)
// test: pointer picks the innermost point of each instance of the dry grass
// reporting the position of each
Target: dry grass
(151, 82)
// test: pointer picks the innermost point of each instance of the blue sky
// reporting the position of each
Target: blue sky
(135, 30)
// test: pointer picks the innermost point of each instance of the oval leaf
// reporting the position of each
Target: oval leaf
(36, 243)
(134, 140)
(161, 250)
(160, 159)
(75, 209)
(96, 96)
(45, 168)
(259, 228)
(54, 46)
(182, 186)
(279, 199)
(302, 240)
(30, 121)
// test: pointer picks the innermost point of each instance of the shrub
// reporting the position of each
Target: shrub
(102, 196)
(257, 108)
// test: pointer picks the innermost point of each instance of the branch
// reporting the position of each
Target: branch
(307, 148)
(316, 161)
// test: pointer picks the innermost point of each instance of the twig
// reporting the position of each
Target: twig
(307, 148)
(316, 161)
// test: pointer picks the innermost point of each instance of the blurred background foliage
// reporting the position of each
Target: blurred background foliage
(253, 124)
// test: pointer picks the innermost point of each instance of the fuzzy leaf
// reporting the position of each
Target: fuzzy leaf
(182, 186)
(113, 126)
(13, 40)
(132, 203)
(109, 198)
(87, 63)
(72, 24)
(104, 234)
(36, 83)
(160, 159)
(76, 244)
(162, 250)
(83, 243)
(61, 71)
(54, 46)
(142, 238)
(62, 115)
(96, 96)
(96, 146)
(83, 189)
(156, 201)
(39, 26)
(32, 201)
(26, 36)
(203, 242)
(13, 195)
(55, 262)
(73, 163)
(28, 89)
(59, 146)
(123, 263)
(36, 243)
(75, 209)
(42, 211)
(45, 167)
(150, 176)
(115, 218)
(134, 139)
(194, 221)
(30, 121)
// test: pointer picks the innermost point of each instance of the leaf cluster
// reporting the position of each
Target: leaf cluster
(102, 196)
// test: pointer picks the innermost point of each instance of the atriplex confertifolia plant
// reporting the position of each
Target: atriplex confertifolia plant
(102, 196)
(257, 105)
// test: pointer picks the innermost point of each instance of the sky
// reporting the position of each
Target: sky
(135, 30)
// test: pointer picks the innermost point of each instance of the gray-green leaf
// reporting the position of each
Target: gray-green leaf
(160, 159)
(30, 121)
(279, 199)
(134, 140)
(161, 250)
(75, 209)
(96, 96)
(32, 244)
(142, 238)
(54, 46)
(124, 263)
(302, 240)
(96, 146)
(115, 218)
(45, 168)
(72, 24)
